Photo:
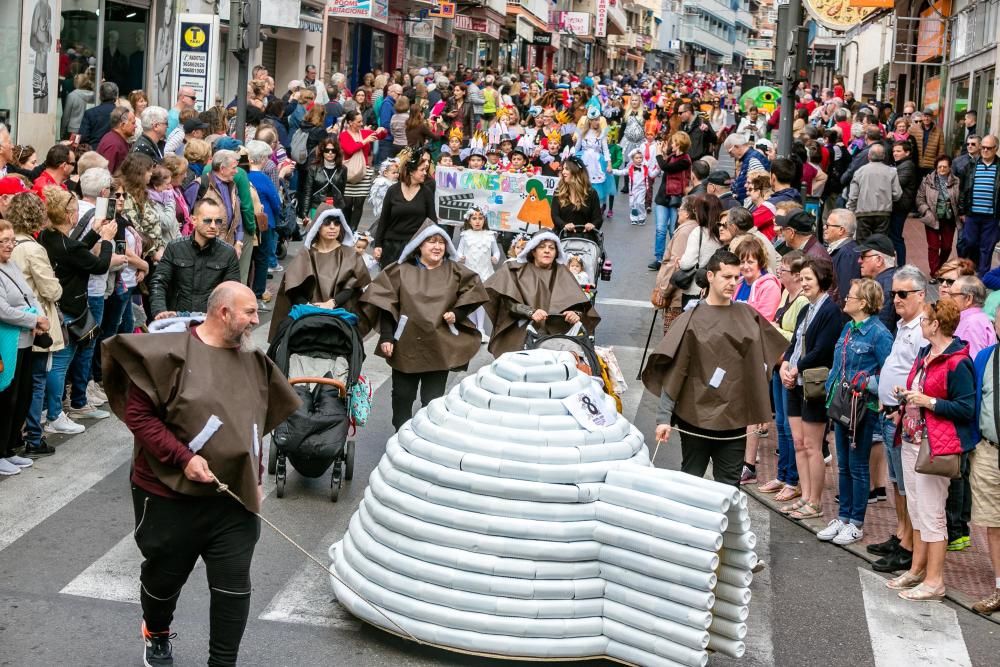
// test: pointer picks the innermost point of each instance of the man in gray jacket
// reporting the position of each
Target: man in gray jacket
(874, 188)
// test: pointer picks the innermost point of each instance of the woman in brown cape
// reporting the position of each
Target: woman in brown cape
(327, 272)
(531, 288)
(421, 306)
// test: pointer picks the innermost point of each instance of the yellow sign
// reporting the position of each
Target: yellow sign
(839, 15)
(194, 37)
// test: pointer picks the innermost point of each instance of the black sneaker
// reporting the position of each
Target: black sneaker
(880, 494)
(897, 561)
(159, 652)
(653, 266)
(39, 450)
(883, 548)
(872, 497)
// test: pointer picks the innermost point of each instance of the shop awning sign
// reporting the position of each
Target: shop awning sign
(443, 10)
(377, 10)
(601, 18)
(196, 51)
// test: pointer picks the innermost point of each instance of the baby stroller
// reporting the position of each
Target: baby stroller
(314, 351)
(589, 247)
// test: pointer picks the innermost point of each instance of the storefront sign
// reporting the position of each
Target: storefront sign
(377, 10)
(930, 37)
(197, 45)
(422, 30)
(512, 202)
(543, 38)
(488, 26)
(443, 10)
(573, 23)
(601, 18)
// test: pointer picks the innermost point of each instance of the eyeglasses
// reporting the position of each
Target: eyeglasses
(869, 256)
(852, 297)
(119, 195)
(988, 148)
(9, 242)
(329, 150)
(903, 293)
(218, 222)
(827, 225)
(946, 282)
(972, 143)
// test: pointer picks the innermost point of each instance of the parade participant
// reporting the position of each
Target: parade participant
(632, 121)
(592, 147)
(388, 175)
(478, 250)
(519, 163)
(535, 287)
(420, 306)
(639, 180)
(188, 437)
(327, 272)
(710, 373)
(407, 204)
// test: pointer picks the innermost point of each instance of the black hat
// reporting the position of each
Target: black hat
(802, 222)
(879, 243)
(720, 177)
(193, 124)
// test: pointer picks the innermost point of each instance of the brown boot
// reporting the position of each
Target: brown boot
(988, 605)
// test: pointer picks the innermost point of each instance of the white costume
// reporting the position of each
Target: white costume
(479, 251)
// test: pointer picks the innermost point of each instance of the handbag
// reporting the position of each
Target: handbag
(83, 328)
(945, 465)
(683, 278)
(356, 167)
(813, 379)
(847, 404)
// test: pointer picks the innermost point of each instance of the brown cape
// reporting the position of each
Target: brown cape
(318, 276)
(554, 290)
(424, 296)
(190, 381)
(734, 339)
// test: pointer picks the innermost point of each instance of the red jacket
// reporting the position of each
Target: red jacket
(950, 378)
(43, 181)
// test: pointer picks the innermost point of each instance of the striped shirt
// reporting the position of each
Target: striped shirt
(361, 188)
(984, 187)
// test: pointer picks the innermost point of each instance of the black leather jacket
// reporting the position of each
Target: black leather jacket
(188, 273)
(319, 186)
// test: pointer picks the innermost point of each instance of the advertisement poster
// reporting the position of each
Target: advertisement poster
(512, 202)
(196, 35)
(377, 10)
(39, 70)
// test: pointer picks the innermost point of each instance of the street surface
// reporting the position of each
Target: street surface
(69, 567)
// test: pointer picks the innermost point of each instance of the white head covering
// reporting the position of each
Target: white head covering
(428, 230)
(536, 240)
(176, 324)
(322, 218)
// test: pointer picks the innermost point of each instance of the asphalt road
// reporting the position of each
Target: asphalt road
(68, 566)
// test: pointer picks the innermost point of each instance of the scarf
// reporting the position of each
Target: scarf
(901, 136)
(162, 197)
(943, 209)
(183, 214)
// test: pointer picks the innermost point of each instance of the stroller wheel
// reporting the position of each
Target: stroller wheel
(349, 460)
(272, 458)
(336, 480)
(280, 476)
(281, 251)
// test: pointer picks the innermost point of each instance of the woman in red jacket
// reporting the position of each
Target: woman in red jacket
(939, 402)
(355, 138)
(675, 164)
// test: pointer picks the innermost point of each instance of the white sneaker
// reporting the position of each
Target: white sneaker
(20, 461)
(96, 395)
(88, 411)
(63, 424)
(848, 534)
(7, 468)
(831, 531)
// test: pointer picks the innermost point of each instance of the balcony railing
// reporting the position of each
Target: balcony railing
(540, 8)
(693, 34)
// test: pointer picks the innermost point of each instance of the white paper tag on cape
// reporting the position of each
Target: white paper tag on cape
(717, 378)
(256, 443)
(211, 426)
(453, 329)
(403, 319)
(589, 408)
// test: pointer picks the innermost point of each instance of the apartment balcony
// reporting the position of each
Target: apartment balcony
(717, 8)
(539, 9)
(692, 34)
(740, 47)
(745, 18)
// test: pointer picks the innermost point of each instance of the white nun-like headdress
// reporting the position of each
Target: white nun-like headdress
(322, 218)
(428, 230)
(535, 241)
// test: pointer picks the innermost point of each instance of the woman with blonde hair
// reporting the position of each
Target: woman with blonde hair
(592, 146)
(576, 206)
(675, 164)
(633, 119)
(26, 213)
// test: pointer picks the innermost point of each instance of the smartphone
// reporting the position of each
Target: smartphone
(101, 208)
(119, 247)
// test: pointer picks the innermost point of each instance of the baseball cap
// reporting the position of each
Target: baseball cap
(12, 185)
(802, 222)
(720, 177)
(879, 243)
(194, 124)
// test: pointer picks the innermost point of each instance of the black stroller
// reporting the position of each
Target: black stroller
(316, 436)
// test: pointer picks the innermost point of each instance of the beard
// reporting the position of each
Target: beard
(241, 339)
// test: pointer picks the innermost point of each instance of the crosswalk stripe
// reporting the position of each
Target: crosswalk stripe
(910, 633)
(628, 303)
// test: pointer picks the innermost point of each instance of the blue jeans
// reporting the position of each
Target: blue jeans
(980, 233)
(128, 319)
(271, 247)
(79, 370)
(787, 470)
(852, 460)
(896, 222)
(892, 453)
(666, 222)
(260, 264)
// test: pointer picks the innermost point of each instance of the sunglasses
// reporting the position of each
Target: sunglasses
(903, 293)
(119, 195)
(329, 150)
(218, 222)
(946, 282)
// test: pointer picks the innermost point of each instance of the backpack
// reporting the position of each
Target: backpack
(298, 149)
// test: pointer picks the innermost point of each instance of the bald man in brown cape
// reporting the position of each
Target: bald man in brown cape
(198, 401)
(711, 373)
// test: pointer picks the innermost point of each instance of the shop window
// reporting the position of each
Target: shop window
(960, 104)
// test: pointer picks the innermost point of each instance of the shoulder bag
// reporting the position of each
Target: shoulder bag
(683, 278)
(813, 379)
(356, 166)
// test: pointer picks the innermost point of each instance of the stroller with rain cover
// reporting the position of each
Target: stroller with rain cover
(589, 247)
(321, 353)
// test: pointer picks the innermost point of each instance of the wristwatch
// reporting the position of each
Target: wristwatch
(933, 403)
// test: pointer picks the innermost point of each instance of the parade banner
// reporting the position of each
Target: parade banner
(512, 202)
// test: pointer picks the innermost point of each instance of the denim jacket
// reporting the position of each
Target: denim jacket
(868, 345)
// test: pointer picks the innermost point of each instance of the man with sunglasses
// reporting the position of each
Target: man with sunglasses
(185, 100)
(877, 259)
(194, 265)
(980, 203)
(60, 163)
(970, 153)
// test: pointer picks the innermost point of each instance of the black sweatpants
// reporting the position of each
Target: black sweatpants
(14, 402)
(172, 534)
(958, 508)
(353, 208)
(404, 391)
(726, 455)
